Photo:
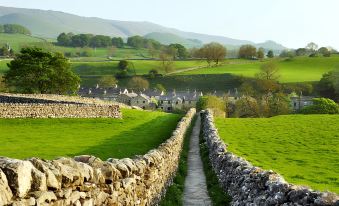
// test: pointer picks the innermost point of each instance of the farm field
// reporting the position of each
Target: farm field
(299, 69)
(302, 148)
(138, 67)
(17, 41)
(135, 134)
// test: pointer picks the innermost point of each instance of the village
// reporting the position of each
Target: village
(173, 101)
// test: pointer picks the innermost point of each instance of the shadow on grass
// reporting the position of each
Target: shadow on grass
(136, 141)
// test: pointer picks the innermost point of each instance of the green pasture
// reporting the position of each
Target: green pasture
(299, 69)
(135, 134)
(302, 148)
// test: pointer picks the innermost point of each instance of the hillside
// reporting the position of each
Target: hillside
(283, 148)
(168, 38)
(299, 69)
(49, 24)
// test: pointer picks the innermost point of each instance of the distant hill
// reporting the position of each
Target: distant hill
(271, 45)
(169, 38)
(49, 24)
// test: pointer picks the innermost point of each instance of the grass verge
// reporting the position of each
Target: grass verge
(216, 193)
(175, 192)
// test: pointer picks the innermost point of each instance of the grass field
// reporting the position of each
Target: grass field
(135, 134)
(17, 41)
(139, 67)
(299, 69)
(204, 83)
(302, 148)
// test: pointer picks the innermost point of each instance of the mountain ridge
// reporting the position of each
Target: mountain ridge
(49, 23)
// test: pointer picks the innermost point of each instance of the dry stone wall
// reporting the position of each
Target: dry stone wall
(59, 111)
(53, 98)
(250, 185)
(87, 180)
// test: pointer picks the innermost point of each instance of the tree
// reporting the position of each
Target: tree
(181, 51)
(153, 73)
(247, 107)
(3, 87)
(118, 42)
(270, 54)
(268, 71)
(324, 51)
(138, 83)
(81, 40)
(278, 104)
(260, 53)
(160, 87)
(107, 81)
(301, 52)
(123, 65)
(100, 41)
(36, 71)
(212, 52)
(64, 40)
(312, 46)
(216, 104)
(136, 42)
(328, 85)
(15, 29)
(321, 106)
(167, 63)
(247, 52)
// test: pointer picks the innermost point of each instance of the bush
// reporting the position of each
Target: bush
(123, 64)
(321, 106)
(215, 103)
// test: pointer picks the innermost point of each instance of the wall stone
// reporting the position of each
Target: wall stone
(250, 185)
(87, 180)
(58, 111)
(53, 99)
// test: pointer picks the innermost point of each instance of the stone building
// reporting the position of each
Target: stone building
(299, 102)
(178, 100)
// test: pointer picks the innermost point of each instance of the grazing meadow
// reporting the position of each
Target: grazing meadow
(135, 134)
(302, 148)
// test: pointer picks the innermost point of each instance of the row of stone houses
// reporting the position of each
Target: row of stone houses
(145, 99)
(175, 100)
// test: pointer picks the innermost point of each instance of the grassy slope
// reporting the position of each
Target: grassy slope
(136, 133)
(299, 69)
(304, 149)
(17, 41)
(141, 67)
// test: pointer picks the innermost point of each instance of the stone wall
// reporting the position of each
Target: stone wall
(87, 180)
(53, 98)
(250, 185)
(58, 111)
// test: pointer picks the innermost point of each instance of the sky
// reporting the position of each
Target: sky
(293, 23)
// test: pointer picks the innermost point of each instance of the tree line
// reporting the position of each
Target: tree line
(14, 29)
(311, 50)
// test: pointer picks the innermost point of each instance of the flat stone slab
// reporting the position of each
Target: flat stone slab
(195, 192)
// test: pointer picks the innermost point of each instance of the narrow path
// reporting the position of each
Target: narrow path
(184, 70)
(195, 192)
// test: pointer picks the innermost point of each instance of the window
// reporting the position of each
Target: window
(169, 102)
(177, 102)
(189, 102)
(295, 104)
(143, 107)
(161, 102)
(169, 108)
(143, 102)
(162, 107)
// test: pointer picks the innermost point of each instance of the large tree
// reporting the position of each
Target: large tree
(107, 81)
(36, 71)
(212, 52)
(138, 83)
(328, 85)
(247, 51)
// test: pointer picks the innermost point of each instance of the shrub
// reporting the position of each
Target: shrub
(215, 103)
(321, 106)
(123, 64)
